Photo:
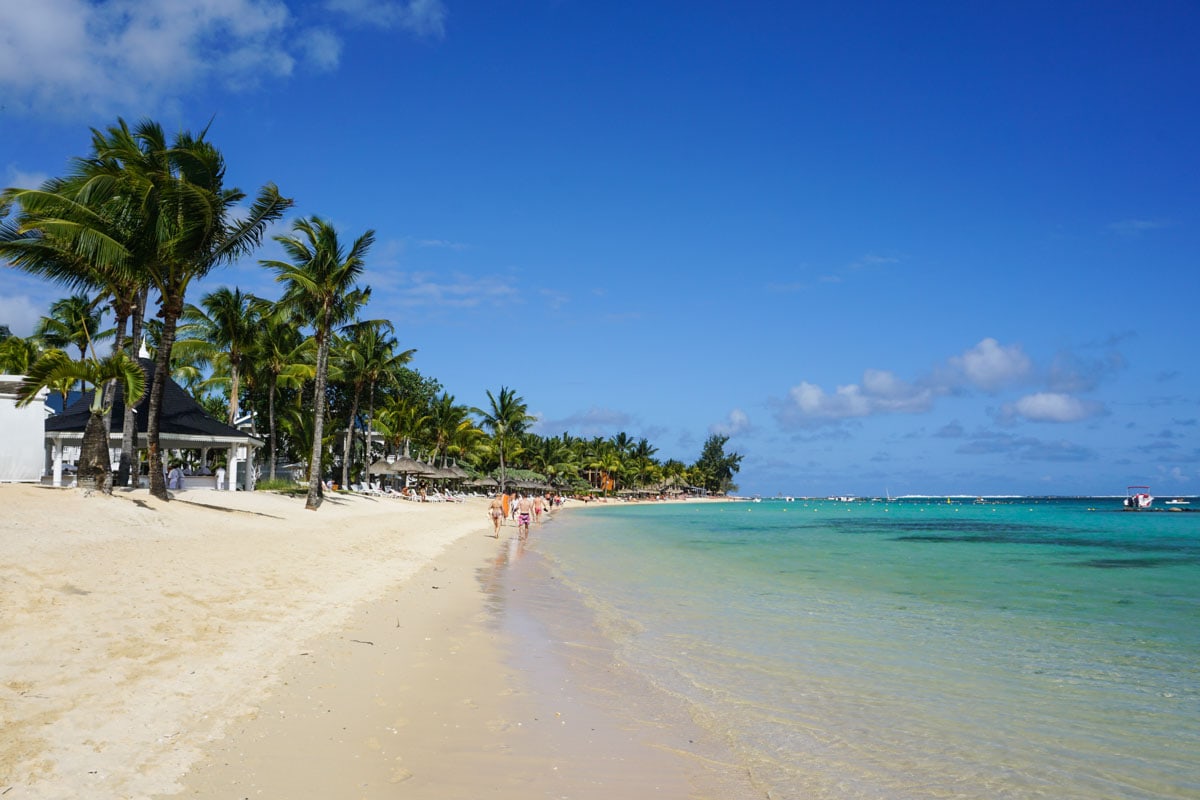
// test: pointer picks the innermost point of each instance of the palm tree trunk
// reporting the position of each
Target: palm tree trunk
(348, 447)
(121, 315)
(314, 465)
(172, 308)
(129, 424)
(370, 421)
(234, 389)
(271, 422)
(94, 464)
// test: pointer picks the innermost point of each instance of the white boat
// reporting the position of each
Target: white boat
(1139, 498)
(1179, 501)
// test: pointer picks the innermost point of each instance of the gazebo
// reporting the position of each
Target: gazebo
(184, 425)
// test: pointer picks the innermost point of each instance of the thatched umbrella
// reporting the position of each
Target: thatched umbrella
(405, 466)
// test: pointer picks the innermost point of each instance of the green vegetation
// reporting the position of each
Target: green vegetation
(143, 217)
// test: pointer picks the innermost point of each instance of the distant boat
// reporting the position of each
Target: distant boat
(1139, 498)
(1179, 501)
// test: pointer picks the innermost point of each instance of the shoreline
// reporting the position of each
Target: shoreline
(236, 641)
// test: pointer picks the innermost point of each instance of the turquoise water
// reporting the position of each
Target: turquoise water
(1021, 649)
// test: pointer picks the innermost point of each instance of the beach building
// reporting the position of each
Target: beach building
(21, 448)
(184, 425)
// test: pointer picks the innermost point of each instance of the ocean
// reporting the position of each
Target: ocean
(1018, 648)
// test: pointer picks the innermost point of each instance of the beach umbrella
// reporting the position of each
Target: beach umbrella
(404, 465)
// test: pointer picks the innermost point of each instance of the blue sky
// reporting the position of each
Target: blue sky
(906, 247)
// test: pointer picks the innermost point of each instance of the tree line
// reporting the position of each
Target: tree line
(135, 223)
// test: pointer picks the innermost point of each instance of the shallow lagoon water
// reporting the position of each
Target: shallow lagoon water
(912, 649)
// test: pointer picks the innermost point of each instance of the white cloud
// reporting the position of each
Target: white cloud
(990, 366)
(20, 179)
(1136, 227)
(1052, 407)
(810, 400)
(75, 56)
(322, 47)
(881, 392)
(454, 291)
(592, 422)
(20, 313)
(422, 17)
(90, 56)
(737, 423)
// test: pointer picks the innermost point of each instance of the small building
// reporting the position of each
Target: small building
(183, 425)
(21, 446)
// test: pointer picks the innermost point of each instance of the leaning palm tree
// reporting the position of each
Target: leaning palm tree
(185, 227)
(55, 367)
(321, 285)
(506, 419)
(154, 214)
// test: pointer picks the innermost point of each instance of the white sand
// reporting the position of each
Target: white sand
(134, 631)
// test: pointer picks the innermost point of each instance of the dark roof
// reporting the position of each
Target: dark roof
(181, 414)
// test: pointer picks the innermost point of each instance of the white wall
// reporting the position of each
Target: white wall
(22, 434)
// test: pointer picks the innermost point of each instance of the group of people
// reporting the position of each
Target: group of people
(522, 508)
(178, 470)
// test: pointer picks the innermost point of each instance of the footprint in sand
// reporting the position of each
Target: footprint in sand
(399, 775)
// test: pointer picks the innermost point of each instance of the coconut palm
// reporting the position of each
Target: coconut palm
(451, 427)
(506, 419)
(55, 367)
(223, 329)
(157, 211)
(367, 355)
(72, 322)
(17, 355)
(185, 184)
(280, 356)
(321, 286)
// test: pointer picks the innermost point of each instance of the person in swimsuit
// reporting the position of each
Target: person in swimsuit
(524, 515)
(496, 512)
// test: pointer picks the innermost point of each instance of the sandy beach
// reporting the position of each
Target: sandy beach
(236, 645)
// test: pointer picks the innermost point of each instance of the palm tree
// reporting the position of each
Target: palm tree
(279, 356)
(321, 285)
(225, 328)
(187, 179)
(368, 355)
(149, 214)
(17, 355)
(73, 322)
(55, 367)
(506, 419)
(451, 427)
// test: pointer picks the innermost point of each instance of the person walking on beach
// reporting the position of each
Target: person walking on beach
(524, 515)
(507, 501)
(495, 510)
(539, 505)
